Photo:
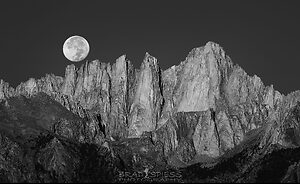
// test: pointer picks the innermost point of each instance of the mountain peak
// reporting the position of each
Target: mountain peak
(212, 46)
(208, 47)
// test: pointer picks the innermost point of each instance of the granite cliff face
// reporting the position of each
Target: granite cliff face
(197, 112)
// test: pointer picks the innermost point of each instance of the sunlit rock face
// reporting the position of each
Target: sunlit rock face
(121, 84)
(146, 106)
(200, 78)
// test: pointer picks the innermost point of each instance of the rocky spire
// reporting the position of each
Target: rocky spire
(121, 76)
(146, 106)
(5, 90)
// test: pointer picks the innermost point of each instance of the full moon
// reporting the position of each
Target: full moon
(76, 48)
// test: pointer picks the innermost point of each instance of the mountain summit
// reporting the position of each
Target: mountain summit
(104, 119)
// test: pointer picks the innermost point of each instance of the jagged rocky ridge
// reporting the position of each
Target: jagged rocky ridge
(202, 111)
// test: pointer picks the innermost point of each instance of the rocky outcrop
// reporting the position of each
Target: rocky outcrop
(5, 90)
(189, 134)
(146, 106)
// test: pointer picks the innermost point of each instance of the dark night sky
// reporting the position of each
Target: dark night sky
(261, 36)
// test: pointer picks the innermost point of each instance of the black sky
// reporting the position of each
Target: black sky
(261, 36)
